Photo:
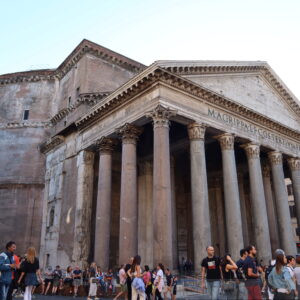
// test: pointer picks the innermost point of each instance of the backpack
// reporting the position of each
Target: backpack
(240, 273)
(267, 273)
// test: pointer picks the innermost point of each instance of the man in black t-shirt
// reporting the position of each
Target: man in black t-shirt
(212, 269)
(252, 274)
(241, 275)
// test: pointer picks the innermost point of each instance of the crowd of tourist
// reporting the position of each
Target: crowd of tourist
(220, 277)
(247, 279)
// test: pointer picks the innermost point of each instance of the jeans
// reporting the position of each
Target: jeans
(136, 293)
(213, 288)
(3, 290)
(254, 292)
(242, 291)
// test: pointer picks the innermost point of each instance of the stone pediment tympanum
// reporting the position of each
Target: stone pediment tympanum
(252, 84)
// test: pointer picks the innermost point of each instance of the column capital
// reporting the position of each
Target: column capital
(252, 150)
(105, 145)
(161, 115)
(129, 133)
(226, 141)
(85, 157)
(196, 131)
(275, 157)
(266, 170)
(294, 163)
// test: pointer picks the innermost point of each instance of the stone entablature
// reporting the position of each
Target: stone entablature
(146, 79)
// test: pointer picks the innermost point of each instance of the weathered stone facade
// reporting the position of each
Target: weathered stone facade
(117, 158)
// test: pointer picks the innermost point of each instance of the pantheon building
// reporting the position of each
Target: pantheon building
(104, 158)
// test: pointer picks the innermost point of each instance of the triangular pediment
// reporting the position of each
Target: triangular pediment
(252, 84)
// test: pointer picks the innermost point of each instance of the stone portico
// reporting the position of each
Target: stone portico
(181, 156)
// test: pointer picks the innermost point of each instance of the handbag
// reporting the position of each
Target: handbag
(95, 280)
(229, 286)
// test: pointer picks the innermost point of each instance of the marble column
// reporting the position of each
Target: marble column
(243, 208)
(174, 215)
(282, 204)
(259, 210)
(200, 205)
(103, 210)
(162, 196)
(294, 164)
(221, 226)
(83, 210)
(128, 237)
(231, 192)
(145, 217)
(271, 211)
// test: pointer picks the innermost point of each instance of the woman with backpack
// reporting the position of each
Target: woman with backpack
(31, 270)
(281, 281)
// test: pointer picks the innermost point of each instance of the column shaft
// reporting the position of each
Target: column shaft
(294, 164)
(259, 211)
(128, 201)
(103, 210)
(162, 197)
(174, 215)
(243, 209)
(274, 237)
(221, 215)
(200, 206)
(145, 218)
(83, 210)
(232, 200)
(281, 197)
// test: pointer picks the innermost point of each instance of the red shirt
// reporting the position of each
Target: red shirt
(17, 262)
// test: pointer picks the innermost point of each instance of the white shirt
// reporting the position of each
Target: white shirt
(160, 274)
(297, 274)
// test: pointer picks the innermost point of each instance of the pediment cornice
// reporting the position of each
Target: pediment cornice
(202, 68)
(86, 98)
(52, 143)
(83, 48)
(156, 74)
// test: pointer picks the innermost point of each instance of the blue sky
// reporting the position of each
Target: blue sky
(40, 34)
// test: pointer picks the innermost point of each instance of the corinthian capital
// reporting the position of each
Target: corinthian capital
(275, 157)
(161, 115)
(252, 150)
(266, 170)
(129, 133)
(196, 131)
(105, 145)
(294, 164)
(226, 141)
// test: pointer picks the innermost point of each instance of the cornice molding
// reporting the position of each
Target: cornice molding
(87, 98)
(51, 143)
(25, 124)
(85, 47)
(262, 68)
(156, 74)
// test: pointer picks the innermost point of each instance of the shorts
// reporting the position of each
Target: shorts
(174, 290)
(123, 287)
(47, 280)
(68, 281)
(76, 282)
(56, 282)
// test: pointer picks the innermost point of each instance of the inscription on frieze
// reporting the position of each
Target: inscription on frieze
(255, 131)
